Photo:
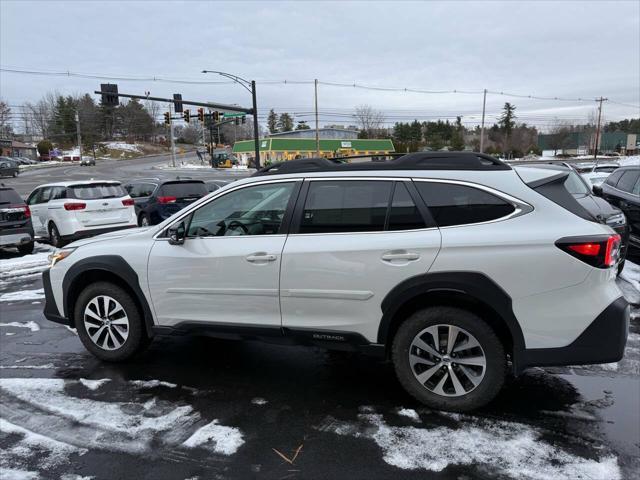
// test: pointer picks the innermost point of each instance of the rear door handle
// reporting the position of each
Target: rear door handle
(409, 256)
(260, 257)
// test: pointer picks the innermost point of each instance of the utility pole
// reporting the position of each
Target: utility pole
(596, 142)
(256, 128)
(484, 106)
(173, 145)
(317, 126)
(78, 133)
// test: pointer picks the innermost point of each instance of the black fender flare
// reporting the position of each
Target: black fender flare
(473, 284)
(115, 265)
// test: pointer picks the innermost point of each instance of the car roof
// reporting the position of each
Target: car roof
(78, 182)
(629, 167)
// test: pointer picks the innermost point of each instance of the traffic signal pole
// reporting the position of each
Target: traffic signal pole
(173, 145)
(256, 128)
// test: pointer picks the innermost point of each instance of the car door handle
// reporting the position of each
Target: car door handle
(260, 257)
(391, 256)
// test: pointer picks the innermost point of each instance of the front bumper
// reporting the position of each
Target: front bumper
(603, 341)
(51, 311)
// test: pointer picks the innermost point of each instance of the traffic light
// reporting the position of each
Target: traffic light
(186, 115)
(216, 117)
(167, 118)
(201, 114)
(244, 119)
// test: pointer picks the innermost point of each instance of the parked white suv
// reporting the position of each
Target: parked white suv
(456, 266)
(66, 211)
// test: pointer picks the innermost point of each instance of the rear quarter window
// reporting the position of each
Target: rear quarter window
(452, 204)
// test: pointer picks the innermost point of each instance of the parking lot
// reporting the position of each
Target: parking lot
(205, 408)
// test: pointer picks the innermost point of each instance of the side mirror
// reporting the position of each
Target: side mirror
(177, 234)
(597, 190)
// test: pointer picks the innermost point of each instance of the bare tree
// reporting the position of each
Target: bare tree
(559, 138)
(369, 121)
(5, 120)
(41, 114)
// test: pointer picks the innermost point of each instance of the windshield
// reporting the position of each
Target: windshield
(96, 191)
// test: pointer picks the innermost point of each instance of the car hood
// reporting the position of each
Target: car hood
(598, 207)
(109, 236)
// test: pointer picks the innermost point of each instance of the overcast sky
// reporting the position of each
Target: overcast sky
(563, 49)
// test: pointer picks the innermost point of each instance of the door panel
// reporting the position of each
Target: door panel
(217, 280)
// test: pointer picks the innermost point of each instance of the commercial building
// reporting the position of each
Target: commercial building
(13, 148)
(278, 149)
(583, 143)
(327, 133)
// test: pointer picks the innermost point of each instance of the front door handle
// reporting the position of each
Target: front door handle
(400, 255)
(260, 257)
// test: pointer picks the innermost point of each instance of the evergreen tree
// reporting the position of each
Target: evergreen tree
(272, 121)
(457, 140)
(302, 125)
(285, 122)
(508, 119)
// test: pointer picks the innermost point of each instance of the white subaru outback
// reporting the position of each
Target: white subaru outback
(455, 266)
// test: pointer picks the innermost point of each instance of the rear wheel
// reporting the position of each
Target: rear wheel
(449, 359)
(54, 236)
(143, 221)
(109, 323)
(26, 248)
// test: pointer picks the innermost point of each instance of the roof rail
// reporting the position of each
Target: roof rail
(409, 161)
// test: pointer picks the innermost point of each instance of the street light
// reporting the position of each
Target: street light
(249, 86)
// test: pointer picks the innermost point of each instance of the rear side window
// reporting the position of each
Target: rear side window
(628, 180)
(346, 206)
(183, 190)
(96, 191)
(9, 196)
(452, 204)
(614, 177)
(404, 214)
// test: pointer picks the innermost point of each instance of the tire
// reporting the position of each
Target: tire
(15, 174)
(444, 394)
(54, 236)
(143, 221)
(131, 339)
(26, 248)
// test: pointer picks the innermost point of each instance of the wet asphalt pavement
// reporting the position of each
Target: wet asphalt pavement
(192, 407)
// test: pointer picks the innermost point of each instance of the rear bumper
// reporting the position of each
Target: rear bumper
(16, 236)
(603, 341)
(51, 311)
(95, 231)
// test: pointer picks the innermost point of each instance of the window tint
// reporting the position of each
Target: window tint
(404, 214)
(575, 185)
(614, 177)
(96, 191)
(256, 210)
(628, 180)
(636, 188)
(452, 204)
(345, 206)
(9, 195)
(137, 190)
(183, 190)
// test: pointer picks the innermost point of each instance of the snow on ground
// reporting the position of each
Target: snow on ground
(152, 384)
(259, 401)
(631, 273)
(132, 426)
(217, 438)
(16, 474)
(632, 160)
(410, 413)
(31, 325)
(127, 147)
(22, 295)
(94, 384)
(48, 366)
(499, 447)
(23, 268)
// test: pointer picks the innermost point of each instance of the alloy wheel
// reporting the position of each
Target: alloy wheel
(447, 360)
(106, 322)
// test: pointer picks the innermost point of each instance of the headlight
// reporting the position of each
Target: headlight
(59, 255)
(617, 219)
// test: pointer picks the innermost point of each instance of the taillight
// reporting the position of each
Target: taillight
(27, 211)
(128, 202)
(167, 199)
(599, 251)
(75, 206)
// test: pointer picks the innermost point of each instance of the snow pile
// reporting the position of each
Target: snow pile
(33, 326)
(152, 384)
(631, 274)
(217, 438)
(14, 474)
(23, 268)
(410, 413)
(259, 401)
(94, 384)
(22, 295)
(127, 147)
(499, 447)
(632, 160)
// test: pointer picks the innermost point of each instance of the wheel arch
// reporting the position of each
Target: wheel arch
(105, 268)
(471, 291)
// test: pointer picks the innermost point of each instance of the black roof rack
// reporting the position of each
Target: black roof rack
(409, 161)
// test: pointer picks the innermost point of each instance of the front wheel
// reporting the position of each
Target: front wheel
(449, 359)
(109, 323)
(54, 236)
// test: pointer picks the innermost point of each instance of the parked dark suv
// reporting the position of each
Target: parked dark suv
(156, 200)
(16, 229)
(600, 209)
(622, 189)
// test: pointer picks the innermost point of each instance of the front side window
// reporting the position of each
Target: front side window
(256, 210)
(453, 204)
(346, 206)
